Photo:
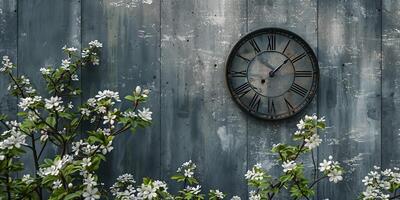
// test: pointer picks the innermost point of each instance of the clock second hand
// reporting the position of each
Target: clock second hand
(272, 73)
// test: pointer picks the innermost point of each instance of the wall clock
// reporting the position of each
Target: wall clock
(272, 73)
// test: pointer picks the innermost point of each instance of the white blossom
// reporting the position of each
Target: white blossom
(219, 194)
(107, 94)
(335, 175)
(54, 169)
(69, 49)
(54, 103)
(301, 125)
(85, 111)
(89, 180)
(193, 190)
(254, 196)
(95, 43)
(44, 137)
(147, 192)
(138, 90)
(188, 173)
(235, 198)
(129, 114)
(74, 77)
(91, 193)
(26, 102)
(27, 179)
(85, 53)
(86, 162)
(109, 118)
(145, 114)
(57, 184)
(45, 71)
(313, 141)
(255, 174)
(15, 139)
(288, 166)
(106, 149)
(325, 165)
(65, 64)
(7, 64)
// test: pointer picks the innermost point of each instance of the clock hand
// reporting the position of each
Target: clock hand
(272, 73)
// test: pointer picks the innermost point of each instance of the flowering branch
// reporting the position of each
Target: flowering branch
(293, 174)
(71, 173)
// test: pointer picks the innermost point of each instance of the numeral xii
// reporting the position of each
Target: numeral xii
(271, 43)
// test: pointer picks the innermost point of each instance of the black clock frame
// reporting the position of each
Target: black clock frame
(245, 38)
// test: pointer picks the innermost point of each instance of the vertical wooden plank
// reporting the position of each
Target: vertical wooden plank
(129, 31)
(390, 84)
(8, 47)
(199, 119)
(299, 17)
(350, 90)
(44, 27)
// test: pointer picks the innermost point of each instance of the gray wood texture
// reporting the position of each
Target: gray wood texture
(299, 17)
(129, 31)
(8, 46)
(41, 36)
(178, 48)
(349, 50)
(199, 120)
(390, 86)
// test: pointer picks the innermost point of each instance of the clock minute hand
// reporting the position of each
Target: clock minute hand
(272, 73)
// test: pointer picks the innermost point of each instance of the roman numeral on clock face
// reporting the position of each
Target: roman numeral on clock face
(271, 43)
(242, 89)
(289, 106)
(254, 44)
(303, 74)
(298, 89)
(298, 57)
(240, 56)
(255, 102)
(271, 106)
(238, 74)
(286, 46)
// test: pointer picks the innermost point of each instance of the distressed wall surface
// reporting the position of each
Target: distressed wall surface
(177, 48)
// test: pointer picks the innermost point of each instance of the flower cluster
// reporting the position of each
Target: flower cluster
(293, 176)
(57, 121)
(11, 139)
(255, 174)
(54, 103)
(381, 184)
(7, 65)
(187, 169)
(54, 168)
(332, 169)
(124, 188)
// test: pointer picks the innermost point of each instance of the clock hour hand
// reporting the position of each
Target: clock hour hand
(272, 73)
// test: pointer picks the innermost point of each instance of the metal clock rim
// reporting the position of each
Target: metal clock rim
(292, 35)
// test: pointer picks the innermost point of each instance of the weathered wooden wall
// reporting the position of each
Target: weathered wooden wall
(177, 48)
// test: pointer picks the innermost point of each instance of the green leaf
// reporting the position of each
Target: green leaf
(74, 195)
(130, 98)
(51, 121)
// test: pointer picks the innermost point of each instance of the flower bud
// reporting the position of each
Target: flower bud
(146, 92)
(138, 89)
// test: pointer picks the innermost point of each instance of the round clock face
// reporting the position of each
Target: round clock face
(272, 73)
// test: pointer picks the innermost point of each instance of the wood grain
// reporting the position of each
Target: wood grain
(44, 27)
(199, 120)
(299, 17)
(8, 47)
(390, 84)
(350, 90)
(129, 32)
